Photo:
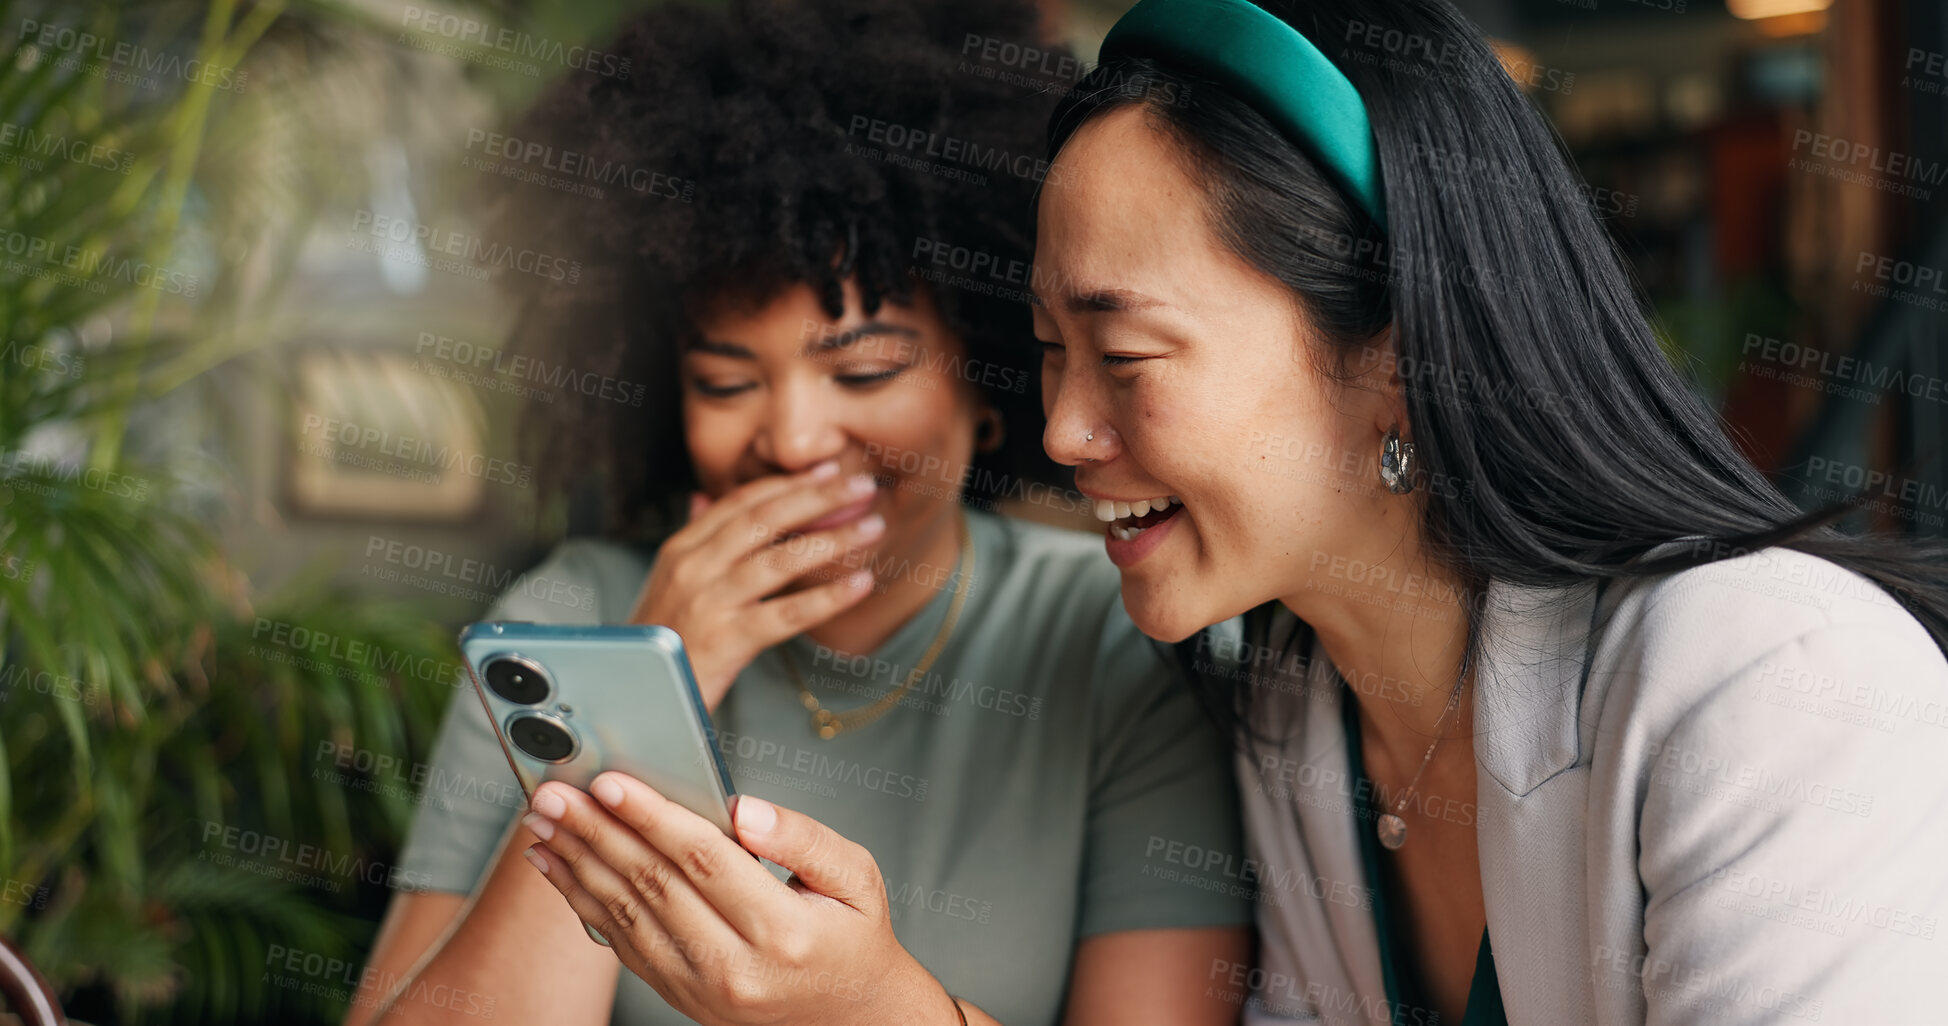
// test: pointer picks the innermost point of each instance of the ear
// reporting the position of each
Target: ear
(1377, 371)
(990, 429)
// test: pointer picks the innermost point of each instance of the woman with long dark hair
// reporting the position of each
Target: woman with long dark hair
(1550, 707)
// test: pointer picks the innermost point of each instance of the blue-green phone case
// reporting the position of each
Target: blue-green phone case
(625, 695)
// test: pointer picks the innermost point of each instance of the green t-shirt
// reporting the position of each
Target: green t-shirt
(1049, 779)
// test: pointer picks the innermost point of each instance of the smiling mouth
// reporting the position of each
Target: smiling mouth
(843, 515)
(1127, 520)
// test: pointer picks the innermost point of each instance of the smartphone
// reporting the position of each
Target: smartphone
(569, 702)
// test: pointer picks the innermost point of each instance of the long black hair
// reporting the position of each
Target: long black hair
(1531, 375)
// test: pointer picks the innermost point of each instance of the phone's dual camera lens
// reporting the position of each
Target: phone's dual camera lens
(517, 680)
(541, 737)
(523, 683)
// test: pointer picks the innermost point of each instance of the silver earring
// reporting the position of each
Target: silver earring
(1397, 463)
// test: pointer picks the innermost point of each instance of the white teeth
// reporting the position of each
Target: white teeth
(1111, 510)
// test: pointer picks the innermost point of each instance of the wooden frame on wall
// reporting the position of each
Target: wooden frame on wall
(373, 435)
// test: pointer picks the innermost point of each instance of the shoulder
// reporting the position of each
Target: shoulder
(1768, 751)
(1055, 553)
(581, 581)
(1724, 615)
(1061, 597)
(1777, 627)
(1776, 581)
(1043, 567)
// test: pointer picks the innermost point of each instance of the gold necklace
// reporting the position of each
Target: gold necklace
(829, 723)
(1391, 828)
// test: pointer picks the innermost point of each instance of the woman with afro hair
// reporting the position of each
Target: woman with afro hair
(990, 797)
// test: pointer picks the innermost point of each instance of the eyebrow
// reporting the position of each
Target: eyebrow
(843, 339)
(721, 348)
(1104, 301)
(825, 341)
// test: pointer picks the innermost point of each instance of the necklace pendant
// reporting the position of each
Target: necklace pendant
(1393, 832)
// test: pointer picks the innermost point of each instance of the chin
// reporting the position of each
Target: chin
(1158, 616)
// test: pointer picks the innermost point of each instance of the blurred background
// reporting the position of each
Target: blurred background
(256, 448)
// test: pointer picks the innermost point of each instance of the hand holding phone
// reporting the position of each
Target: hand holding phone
(681, 902)
(569, 703)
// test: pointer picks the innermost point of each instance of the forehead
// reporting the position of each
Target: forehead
(1127, 214)
(796, 313)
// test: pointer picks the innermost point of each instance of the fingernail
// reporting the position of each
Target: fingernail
(872, 526)
(859, 580)
(549, 804)
(861, 484)
(606, 791)
(824, 470)
(755, 815)
(543, 828)
(534, 859)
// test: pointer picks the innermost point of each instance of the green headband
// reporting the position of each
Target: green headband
(1270, 66)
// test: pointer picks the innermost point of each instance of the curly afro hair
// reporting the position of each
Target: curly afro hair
(744, 133)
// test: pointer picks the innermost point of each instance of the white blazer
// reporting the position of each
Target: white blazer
(1718, 796)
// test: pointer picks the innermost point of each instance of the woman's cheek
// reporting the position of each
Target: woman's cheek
(715, 441)
(921, 420)
(1153, 433)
